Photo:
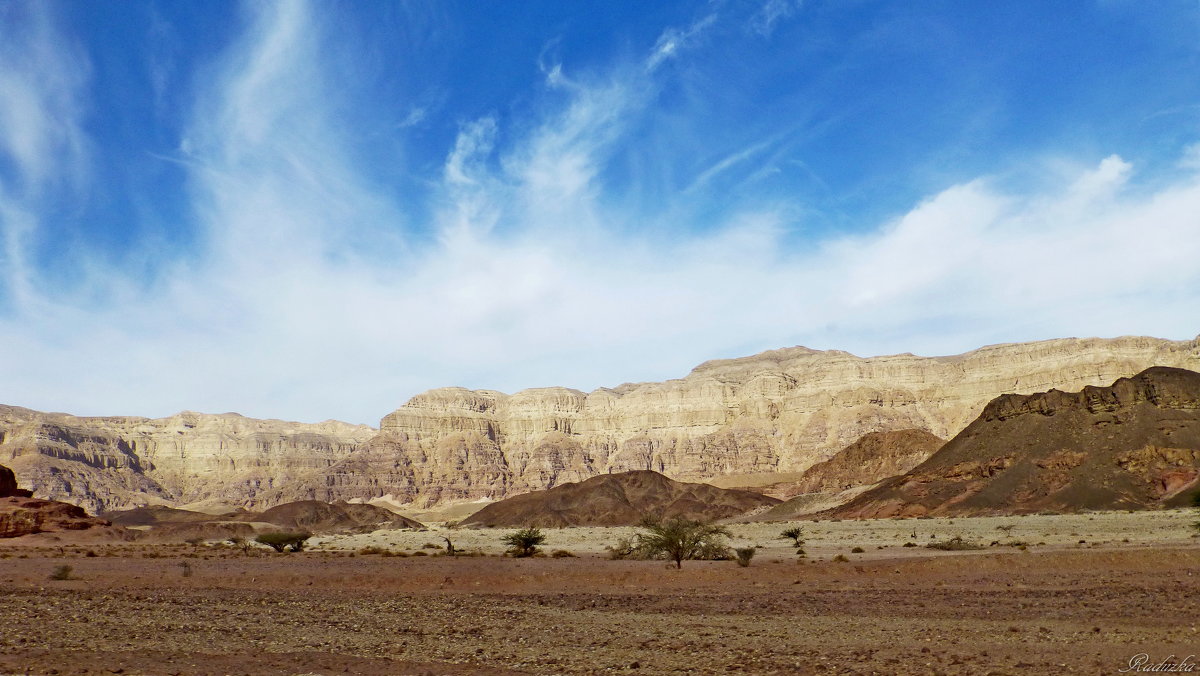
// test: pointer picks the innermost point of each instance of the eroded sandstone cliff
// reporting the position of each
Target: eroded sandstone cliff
(779, 411)
(111, 463)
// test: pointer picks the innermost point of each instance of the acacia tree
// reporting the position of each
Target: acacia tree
(681, 539)
(292, 542)
(524, 542)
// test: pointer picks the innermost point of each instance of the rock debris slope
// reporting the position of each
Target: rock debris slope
(1133, 445)
(779, 411)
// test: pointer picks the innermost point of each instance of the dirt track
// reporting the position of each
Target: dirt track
(1085, 611)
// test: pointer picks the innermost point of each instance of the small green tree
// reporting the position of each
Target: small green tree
(680, 539)
(524, 542)
(795, 534)
(292, 542)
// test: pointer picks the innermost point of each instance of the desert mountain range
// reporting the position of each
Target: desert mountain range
(781, 411)
(1133, 445)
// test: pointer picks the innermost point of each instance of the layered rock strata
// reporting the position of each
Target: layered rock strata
(779, 411)
(1133, 445)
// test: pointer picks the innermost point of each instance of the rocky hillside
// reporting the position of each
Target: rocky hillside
(624, 499)
(21, 514)
(779, 411)
(874, 457)
(112, 463)
(1133, 445)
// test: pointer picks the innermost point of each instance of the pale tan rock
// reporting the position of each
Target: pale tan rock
(779, 411)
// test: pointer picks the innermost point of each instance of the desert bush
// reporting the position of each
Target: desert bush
(954, 544)
(627, 548)
(561, 554)
(857, 550)
(678, 539)
(840, 558)
(61, 573)
(524, 542)
(744, 555)
(372, 550)
(239, 542)
(292, 542)
(795, 534)
(420, 553)
(909, 544)
(431, 545)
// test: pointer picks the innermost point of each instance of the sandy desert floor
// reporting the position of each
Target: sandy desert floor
(1061, 607)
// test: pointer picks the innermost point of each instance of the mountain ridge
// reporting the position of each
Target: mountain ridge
(779, 411)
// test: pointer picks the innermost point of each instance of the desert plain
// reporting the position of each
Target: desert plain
(1081, 593)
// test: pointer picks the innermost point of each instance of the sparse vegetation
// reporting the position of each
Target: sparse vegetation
(239, 542)
(292, 542)
(954, 544)
(795, 534)
(62, 572)
(524, 542)
(678, 539)
(744, 555)
(857, 550)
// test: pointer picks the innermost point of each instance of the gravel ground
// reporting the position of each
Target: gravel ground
(1056, 608)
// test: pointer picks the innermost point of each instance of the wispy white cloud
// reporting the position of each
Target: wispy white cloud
(771, 13)
(310, 298)
(673, 40)
(726, 163)
(42, 79)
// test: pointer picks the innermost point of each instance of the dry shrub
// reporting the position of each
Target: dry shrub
(744, 555)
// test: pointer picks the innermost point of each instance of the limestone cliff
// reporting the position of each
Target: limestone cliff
(779, 411)
(112, 463)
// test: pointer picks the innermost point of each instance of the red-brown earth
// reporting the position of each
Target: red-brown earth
(139, 609)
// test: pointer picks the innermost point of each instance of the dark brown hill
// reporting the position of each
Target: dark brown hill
(622, 499)
(874, 457)
(338, 517)
(1133, 445)
(155, 515)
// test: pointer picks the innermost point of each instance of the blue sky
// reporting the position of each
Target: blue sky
(313, 211)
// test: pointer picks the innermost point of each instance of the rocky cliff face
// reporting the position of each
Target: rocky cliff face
(779, 411)
(1133, 445)
(112, 463)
